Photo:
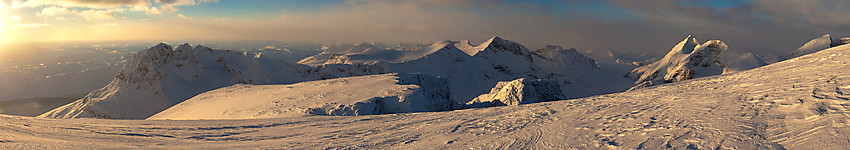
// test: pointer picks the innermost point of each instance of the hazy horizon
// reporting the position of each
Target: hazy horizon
(764, 27)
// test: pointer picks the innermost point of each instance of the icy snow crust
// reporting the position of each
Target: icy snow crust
(361, 95)
(799, 103)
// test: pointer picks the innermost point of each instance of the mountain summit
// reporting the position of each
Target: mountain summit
(817, 44)
(689, 59)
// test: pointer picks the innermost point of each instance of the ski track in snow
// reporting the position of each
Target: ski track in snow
(797, 104)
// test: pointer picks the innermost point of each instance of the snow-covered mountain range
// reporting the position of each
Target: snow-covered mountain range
(161, 76)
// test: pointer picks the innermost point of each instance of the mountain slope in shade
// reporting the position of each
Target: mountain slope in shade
(689, 59)
(472, 70)
(618, 61)
(386, 55)
(799, 103)
(329, 52)
(557, 60)
(361, 95)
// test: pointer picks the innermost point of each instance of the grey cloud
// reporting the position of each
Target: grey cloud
(89, 3)
(765, 27)
(831, 13)
(167, 1)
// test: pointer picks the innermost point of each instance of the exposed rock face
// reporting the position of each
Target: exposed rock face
(519, 91)
(703, 61)
(689, 59)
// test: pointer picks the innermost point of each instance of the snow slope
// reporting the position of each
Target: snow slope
(799, 103)
(361, 95)
(689, 59)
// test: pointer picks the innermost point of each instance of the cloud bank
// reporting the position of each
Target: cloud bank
(766, 27)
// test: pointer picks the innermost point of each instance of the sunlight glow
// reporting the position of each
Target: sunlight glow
(3, 36)
(2, 13)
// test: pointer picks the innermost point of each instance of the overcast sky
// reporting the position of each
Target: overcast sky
(762, 26)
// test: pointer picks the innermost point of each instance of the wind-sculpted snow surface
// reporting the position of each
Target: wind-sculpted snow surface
(519, 91)
(689, 60)
(801, 103)
(361, 95)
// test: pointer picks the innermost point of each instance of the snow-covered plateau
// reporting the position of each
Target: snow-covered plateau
(349, 96)
(218, 99)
